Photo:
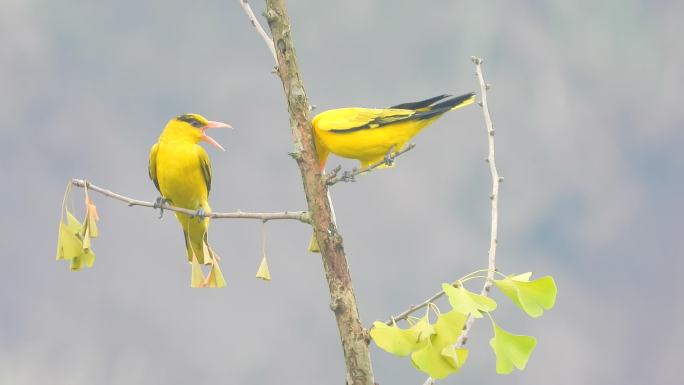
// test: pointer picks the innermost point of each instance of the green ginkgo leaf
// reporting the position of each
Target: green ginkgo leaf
(448, 328)
(422, 329)
(466, 302)
(430, 360)
(398, 341)
(438, 357)
(531, 296)
(456, 356)
(511, 350)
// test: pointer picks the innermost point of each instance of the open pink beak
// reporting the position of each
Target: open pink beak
(208, 138)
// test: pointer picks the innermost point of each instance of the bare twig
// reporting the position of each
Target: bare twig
(348, 176)
(494, 198)
(414, 308)
(255, 23)
(302, 216)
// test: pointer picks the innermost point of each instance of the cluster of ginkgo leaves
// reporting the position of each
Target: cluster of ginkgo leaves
(434, 347)
(74, 240)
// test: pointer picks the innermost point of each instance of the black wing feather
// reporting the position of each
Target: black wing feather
(420, 104)
(206, 172)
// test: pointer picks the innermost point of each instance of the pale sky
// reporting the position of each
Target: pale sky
(586, 103)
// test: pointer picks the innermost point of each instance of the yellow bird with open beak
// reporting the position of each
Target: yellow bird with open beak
(181, 171)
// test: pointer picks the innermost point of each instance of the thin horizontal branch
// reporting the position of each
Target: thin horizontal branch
(348, 176)
(255, 23)
(414, 308)
(301, 216)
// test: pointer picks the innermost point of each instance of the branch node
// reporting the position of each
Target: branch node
(367, 337)
(281, 46)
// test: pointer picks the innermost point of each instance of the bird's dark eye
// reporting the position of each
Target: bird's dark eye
(191, 119)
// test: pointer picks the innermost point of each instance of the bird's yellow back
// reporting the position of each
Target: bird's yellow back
(368, 134)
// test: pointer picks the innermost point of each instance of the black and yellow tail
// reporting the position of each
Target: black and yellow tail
(429, 108)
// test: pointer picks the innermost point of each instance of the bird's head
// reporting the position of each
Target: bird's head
(192, 127)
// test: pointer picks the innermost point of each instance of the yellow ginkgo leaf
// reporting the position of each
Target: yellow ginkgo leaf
(76, 263)
(263, 272)
(73, 224)
(197, 279)
(88, 258)
(313, 245)
(68, 244)
(85, 236)
(215, 278)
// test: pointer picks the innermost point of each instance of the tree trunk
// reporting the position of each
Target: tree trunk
(343, 302)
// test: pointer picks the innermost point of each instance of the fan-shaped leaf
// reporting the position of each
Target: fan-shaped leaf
(398, 341)
(263, 272)
(448, 328)
(511, 350)
(531, 296)
(466, 302)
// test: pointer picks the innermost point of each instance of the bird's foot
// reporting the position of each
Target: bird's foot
(348, 176)
(158, 204)
(390, 156)
(199, 214)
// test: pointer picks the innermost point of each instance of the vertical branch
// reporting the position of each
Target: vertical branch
(493, 197)
(343, 302)
(496, 179)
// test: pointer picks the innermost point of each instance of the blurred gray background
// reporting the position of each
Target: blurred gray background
(586, 102)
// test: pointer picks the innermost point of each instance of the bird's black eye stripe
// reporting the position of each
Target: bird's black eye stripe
(187, 118)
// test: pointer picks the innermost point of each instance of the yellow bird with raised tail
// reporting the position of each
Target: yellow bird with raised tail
(181, 171)
(369, 135)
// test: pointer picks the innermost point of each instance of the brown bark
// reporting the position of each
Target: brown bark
(343, 302)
